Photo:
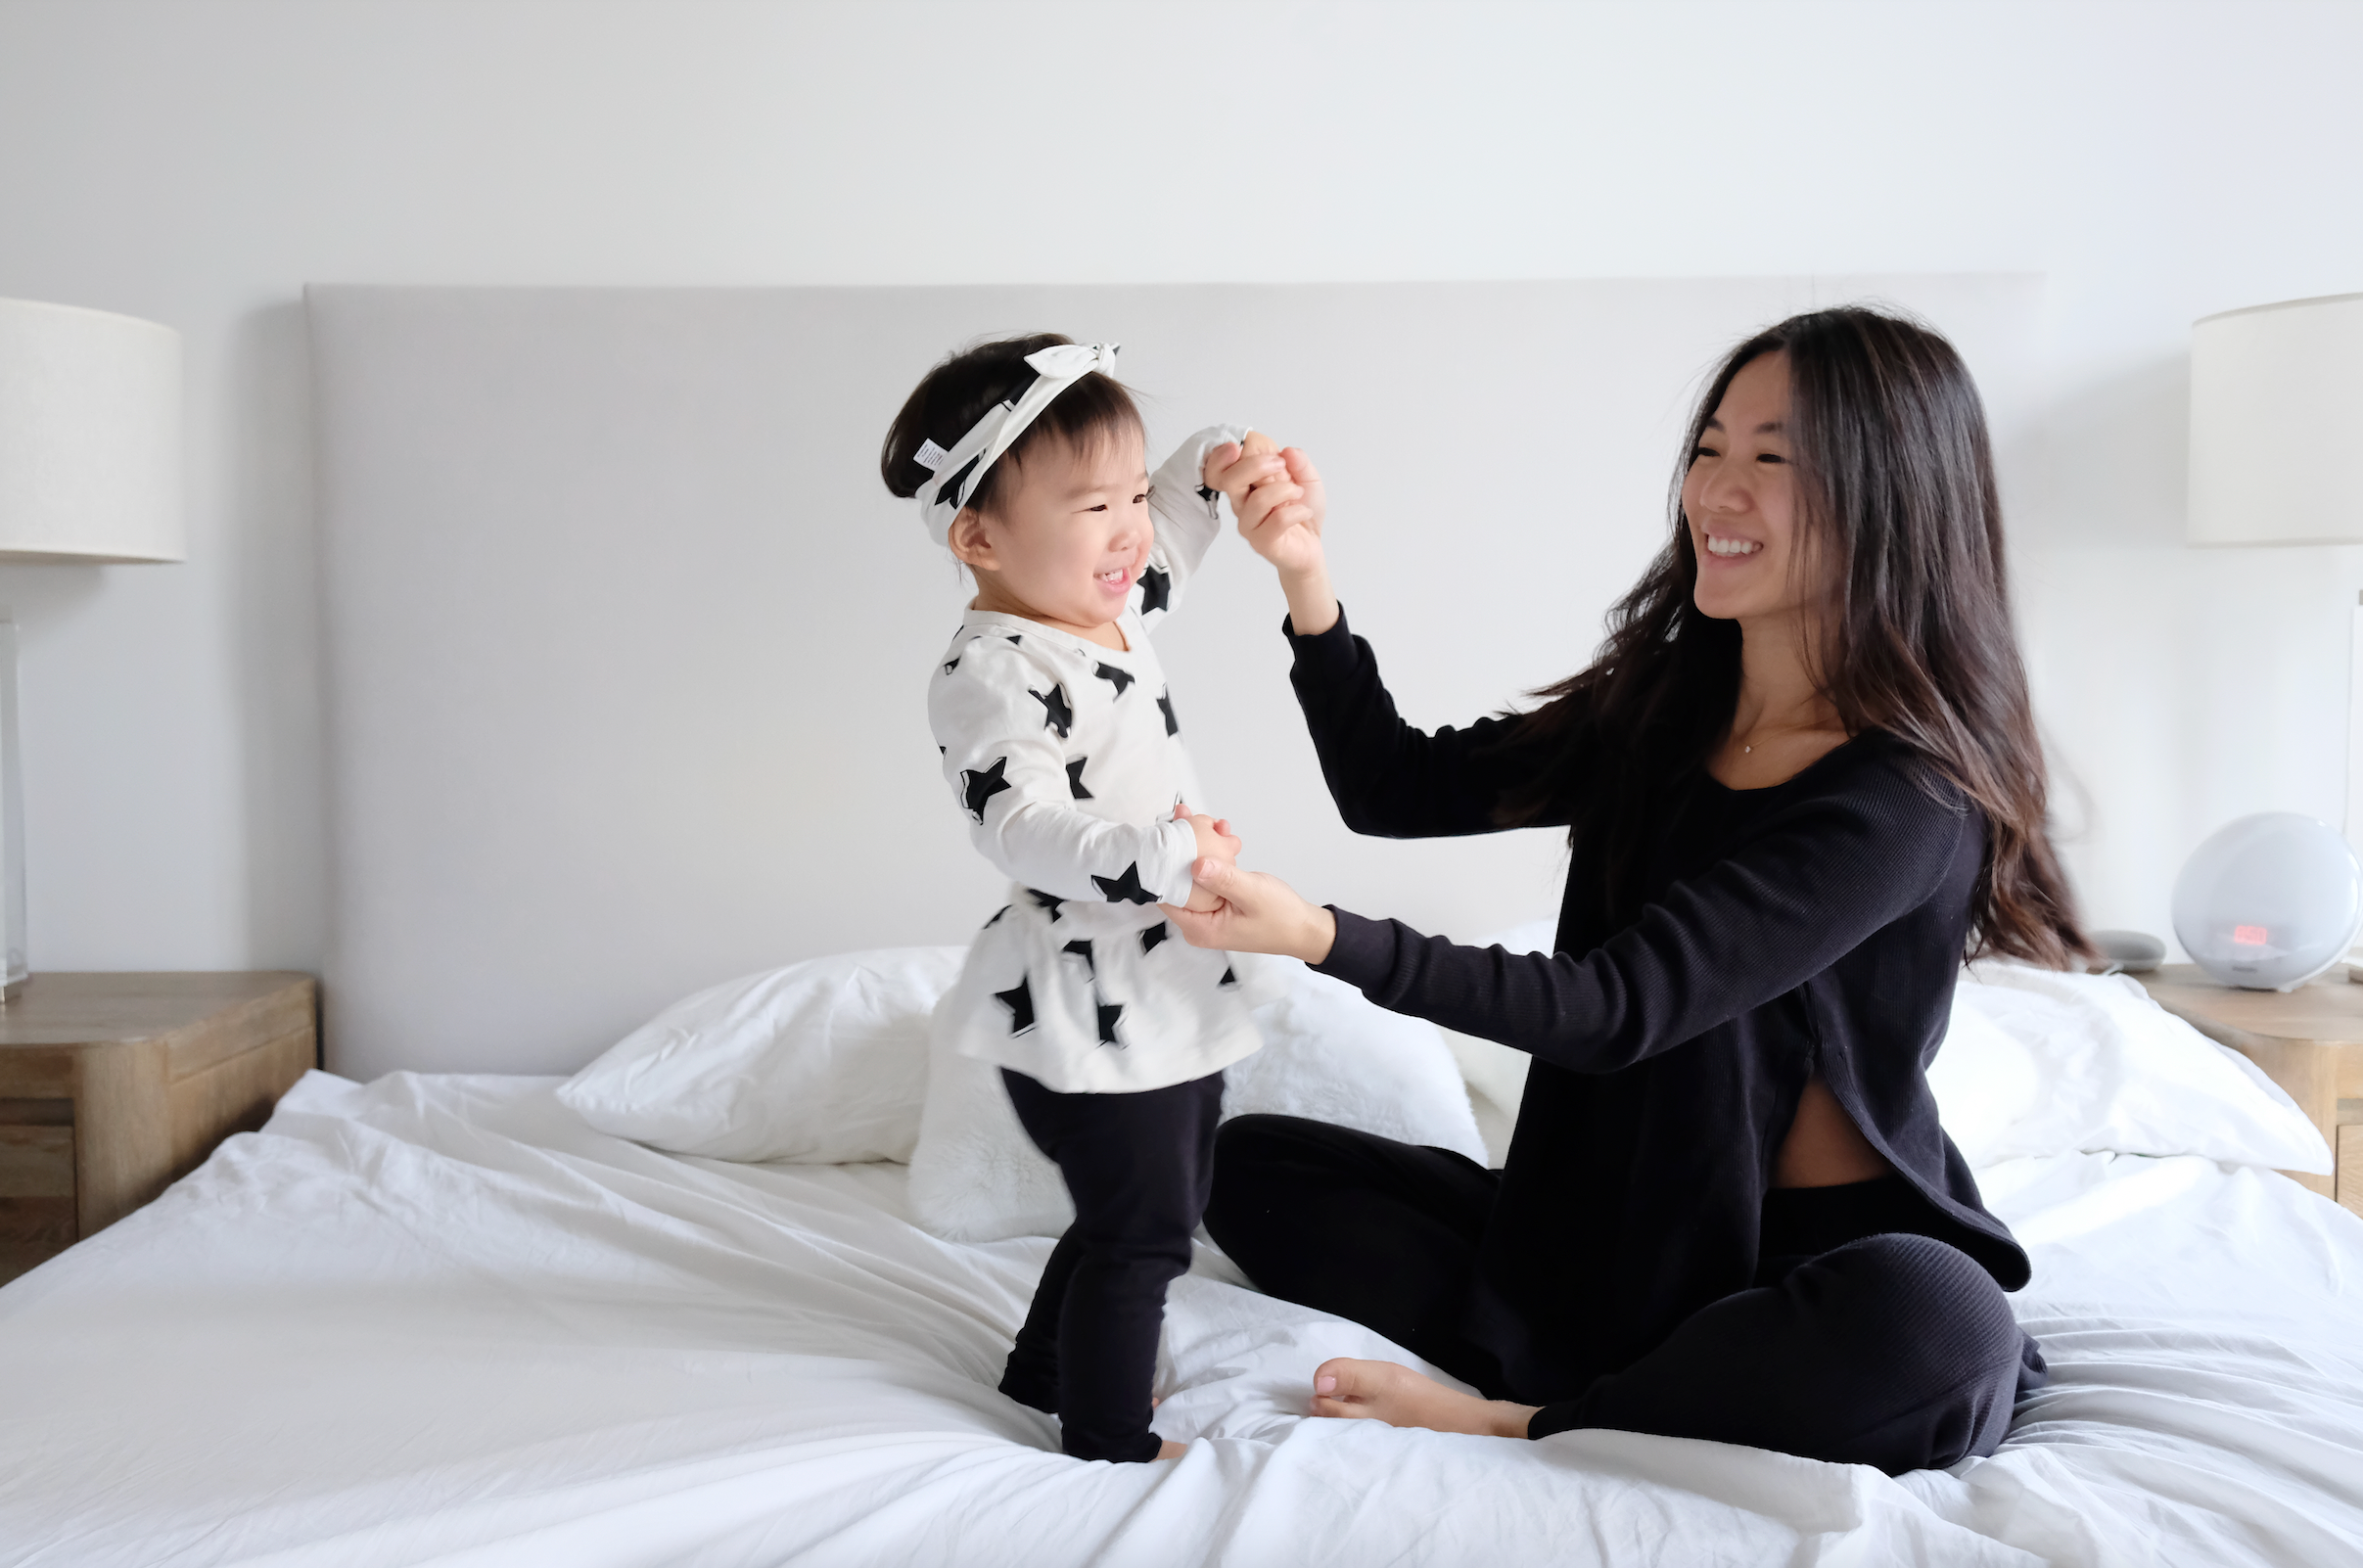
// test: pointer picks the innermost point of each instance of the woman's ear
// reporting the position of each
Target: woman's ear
(969, 541)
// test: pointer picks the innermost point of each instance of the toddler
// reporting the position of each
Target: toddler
(1062, 746)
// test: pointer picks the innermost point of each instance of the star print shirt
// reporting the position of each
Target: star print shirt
(1065, 758)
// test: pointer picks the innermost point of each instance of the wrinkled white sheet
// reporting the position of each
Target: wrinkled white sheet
(438, 1320)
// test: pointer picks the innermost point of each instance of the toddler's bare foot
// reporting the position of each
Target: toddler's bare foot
(1168, 1449)
(1381, 1391)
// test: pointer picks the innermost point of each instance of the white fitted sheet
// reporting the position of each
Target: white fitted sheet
(438, 1320)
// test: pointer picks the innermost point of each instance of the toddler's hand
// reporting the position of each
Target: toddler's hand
(1215, 841)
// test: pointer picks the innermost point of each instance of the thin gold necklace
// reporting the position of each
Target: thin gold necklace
(1746, 746)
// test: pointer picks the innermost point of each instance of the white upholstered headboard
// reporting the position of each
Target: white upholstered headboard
(628, 644)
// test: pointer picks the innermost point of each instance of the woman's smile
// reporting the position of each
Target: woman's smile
(1728, 547)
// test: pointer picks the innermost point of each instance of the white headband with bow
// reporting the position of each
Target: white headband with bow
(1061, 365)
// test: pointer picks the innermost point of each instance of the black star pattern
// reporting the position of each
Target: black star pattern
(951, 663)
(1165, 705)
(1156, 589)
(1229, 978)
(1125, 888)
(942, 751)
(1110, 1015)
(1081, 948)
(1118, 678)
(982, 787)
(1020, 1003)
(1153, 936)
(1056, 714)
(996, 917)
(1016, 637)
(947, 493)
(1207, 494)
(1045, 900)
(1075, 779)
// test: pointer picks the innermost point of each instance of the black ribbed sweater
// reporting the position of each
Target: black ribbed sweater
(1812, 926)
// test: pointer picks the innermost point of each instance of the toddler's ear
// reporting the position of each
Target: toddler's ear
(966, 538)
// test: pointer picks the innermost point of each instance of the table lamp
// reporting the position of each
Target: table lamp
(89, 473)
(2275, 409)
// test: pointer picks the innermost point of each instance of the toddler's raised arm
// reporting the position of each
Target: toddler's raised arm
(1188, 513)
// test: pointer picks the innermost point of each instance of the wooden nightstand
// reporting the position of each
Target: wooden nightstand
(111, 1086)
(2308, 1041)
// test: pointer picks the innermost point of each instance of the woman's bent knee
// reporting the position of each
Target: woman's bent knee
(1256, 1165)
(1918, 1293)
(1949, 1351)
(1261, 1136)
(1250, 1151)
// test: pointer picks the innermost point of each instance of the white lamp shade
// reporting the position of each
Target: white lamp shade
(89, 435)
(2276, 406)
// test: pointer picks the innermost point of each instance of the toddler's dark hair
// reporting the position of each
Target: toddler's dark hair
(955, 395)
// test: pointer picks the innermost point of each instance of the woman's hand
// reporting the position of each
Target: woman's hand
(1280, 502)
(1281, 516)
(1253, 914)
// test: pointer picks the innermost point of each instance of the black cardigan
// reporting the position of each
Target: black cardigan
(1816, 925)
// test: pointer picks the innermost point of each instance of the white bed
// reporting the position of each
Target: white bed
(437, 1320)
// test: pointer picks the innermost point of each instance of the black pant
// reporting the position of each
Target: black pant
(1137, 1167)
(1860, 1343)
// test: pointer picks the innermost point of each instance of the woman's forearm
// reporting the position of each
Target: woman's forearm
(1311, 602)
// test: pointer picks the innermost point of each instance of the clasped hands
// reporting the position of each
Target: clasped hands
(1244, 911)
(1277, 497)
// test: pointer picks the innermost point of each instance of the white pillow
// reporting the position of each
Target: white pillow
(2041, 1062)
(1331, 1054)
(822, 1062)
(1328, 1054)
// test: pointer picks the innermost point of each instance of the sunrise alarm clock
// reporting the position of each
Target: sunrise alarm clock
(2269, 902)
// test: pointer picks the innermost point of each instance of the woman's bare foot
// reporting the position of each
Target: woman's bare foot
(1381, 1391)
(1168, 1449)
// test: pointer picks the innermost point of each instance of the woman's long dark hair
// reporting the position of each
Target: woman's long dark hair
(1895, 484)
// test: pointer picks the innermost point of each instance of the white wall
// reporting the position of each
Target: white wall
(196, 163)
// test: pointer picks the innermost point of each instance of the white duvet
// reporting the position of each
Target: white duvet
(440, 1319)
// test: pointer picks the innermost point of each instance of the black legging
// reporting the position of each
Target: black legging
(1860, 1343)
(1137, 1168)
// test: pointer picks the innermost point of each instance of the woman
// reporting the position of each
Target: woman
(1800, 783)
